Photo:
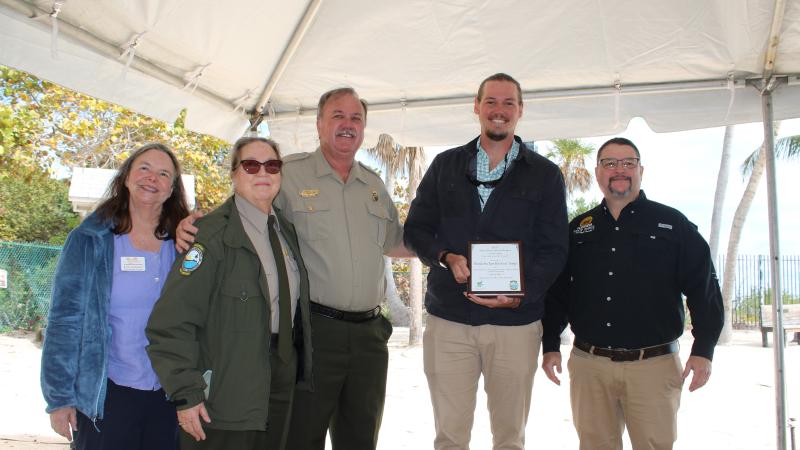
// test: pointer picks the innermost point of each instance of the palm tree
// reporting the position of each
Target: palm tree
(410, 162)
(387, 153)
(719, 194)
(570, 155)
(786, 149)
(414, 166)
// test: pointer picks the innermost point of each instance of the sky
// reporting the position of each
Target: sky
(680, 170)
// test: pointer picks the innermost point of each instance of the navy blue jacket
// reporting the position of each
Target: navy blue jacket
(529, 205)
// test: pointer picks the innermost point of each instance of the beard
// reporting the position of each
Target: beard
(616, 192)
(496, 136)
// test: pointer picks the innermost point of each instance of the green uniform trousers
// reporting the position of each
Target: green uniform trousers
(281, 396)
(350, 361)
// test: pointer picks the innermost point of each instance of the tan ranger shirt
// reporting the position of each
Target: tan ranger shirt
(254, 223)
(344, 229)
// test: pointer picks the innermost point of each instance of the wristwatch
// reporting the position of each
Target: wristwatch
(443, 259)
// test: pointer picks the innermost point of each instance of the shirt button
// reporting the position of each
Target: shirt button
(608, 299)
(311, 208)
(608, 324)
(616, 228)
(610, 273)
(613, 249)
(632, 211)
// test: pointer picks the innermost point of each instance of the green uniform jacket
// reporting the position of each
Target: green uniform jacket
(214, 314)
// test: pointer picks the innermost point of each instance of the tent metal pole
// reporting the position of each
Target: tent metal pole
(775, 274)
(770, 83)
(286, 57)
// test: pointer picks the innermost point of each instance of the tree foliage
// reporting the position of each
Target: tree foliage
(579, 206)
(570, 155)
(34, 207)
(46, 130)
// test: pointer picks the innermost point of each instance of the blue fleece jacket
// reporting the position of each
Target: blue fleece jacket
(75, 353)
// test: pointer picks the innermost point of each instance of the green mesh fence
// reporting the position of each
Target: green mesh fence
(28, 274)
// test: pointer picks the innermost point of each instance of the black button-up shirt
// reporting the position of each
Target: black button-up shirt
(624, 280)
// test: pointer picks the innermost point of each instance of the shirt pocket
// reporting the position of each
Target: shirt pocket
(584, 249)
(312, 217)
(243, 304)
(379, 217)
(519, 211)
(657, 253)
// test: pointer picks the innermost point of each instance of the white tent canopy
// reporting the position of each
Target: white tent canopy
(587, 67)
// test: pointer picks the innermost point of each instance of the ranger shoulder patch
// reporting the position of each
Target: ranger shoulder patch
(192, 259)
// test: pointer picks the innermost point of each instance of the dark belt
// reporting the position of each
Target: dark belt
(347, 316)
(624, 354)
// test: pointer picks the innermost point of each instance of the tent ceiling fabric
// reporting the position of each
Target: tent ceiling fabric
(418, 61)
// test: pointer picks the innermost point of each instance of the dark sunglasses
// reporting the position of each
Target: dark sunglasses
(252, 166)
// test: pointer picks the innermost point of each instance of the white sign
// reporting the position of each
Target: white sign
(3, 279)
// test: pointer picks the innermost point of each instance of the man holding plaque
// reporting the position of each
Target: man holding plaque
(631, 260)
(490, 221)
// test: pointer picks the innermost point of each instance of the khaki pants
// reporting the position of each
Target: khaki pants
(607, 396)
(456, 355)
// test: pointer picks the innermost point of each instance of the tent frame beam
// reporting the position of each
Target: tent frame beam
(545, 95)
(110, 50)
(286, 57)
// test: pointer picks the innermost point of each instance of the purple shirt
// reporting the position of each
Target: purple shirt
(138, 279)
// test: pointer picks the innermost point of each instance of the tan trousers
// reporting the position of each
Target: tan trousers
(607, 396)
(456, 355)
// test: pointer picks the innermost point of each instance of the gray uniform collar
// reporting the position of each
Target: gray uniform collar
(255, 216)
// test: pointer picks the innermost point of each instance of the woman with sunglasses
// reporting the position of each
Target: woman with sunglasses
(230, 335)
(96, 377)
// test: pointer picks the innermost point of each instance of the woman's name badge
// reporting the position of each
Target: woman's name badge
(132, 263)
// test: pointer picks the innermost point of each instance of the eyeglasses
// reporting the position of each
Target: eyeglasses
(613, 163)
(252, 166)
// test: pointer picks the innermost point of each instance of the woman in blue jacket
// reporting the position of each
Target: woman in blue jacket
(96, 377)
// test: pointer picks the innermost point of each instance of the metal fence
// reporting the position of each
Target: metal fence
(28, 268)
(26, 274)
(751, 288)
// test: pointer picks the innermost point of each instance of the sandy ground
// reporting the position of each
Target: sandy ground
(735, 411)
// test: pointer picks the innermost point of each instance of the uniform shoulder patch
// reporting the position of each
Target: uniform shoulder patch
(192, 259)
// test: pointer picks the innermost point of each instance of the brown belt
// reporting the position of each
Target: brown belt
(347, 316)
(624, 354)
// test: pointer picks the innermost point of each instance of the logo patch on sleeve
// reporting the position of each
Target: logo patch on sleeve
(665, 225)
(192, 260)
